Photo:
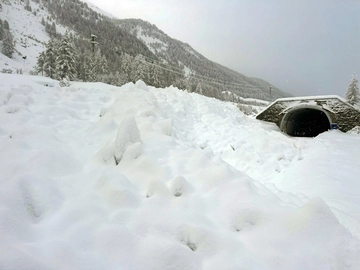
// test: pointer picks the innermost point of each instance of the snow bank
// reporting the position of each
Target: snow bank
(134, 177)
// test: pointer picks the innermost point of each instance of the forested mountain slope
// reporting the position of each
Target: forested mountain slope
(133, 49)
(183, 56)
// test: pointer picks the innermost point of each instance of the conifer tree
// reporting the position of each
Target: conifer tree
(155, 75)
(199, 89)
(66, 59)
(139, 70)
(180, 83)
(50, 29)
(8, 44)
(107, 78)
(95, 67)
(147, 67)
(53, 29)
(352, 94)
(82, 66)
(101, 65)
(50, 58)
(40, 63)
(118, 79)
(1, 29)
(126, 64)
(6, 25)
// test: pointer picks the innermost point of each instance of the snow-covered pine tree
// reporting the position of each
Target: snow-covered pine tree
(1, 29)
(352, 94)
(50, 58)
(101, 63)
(155, 75)
(191, 84)
(6, 25)
(147, 66)
(66, 59)
(95, 66)
(40, 63)
(82, 67)
(53, 29)
(120, 79)
(50, 29)
(8, 44)
(139, 70)
(90, 69)
(181, 83)
(199, 89)
(126, 64)
(107, 78)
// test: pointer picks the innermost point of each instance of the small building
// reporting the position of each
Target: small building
(310, 116)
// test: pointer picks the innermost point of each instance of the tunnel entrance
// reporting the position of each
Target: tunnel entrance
(305, 122)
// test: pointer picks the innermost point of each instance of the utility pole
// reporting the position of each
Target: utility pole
(270, 93)
(93, 42)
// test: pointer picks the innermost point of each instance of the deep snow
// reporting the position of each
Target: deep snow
(101, 177)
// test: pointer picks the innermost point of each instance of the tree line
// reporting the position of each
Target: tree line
(65, 58)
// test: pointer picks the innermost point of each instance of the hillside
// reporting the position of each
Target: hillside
(184, 57)
(132, 40)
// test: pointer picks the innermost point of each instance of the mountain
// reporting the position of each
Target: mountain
(136, 43)
(181, 54)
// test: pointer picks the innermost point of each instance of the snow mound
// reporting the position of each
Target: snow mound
(134, 177)
(355, 130)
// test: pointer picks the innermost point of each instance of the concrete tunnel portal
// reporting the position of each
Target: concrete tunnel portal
(310, 116)
(305, 122)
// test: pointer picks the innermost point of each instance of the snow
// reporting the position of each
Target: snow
(312, 99)
(190, 50)
(95, 176)
(155, 45)
(99, 10)
(187, 71)
(29, 35)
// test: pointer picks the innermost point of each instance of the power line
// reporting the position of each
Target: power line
(208, 78)
(198, 77)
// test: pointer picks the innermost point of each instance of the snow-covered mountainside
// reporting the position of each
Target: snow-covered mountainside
(182, 65)
(97, 9)
(192, 62)
(134, 177)
(29, 35)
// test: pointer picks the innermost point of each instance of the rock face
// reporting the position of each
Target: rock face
(309, 116)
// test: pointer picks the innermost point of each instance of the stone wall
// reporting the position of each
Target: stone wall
(340, 112)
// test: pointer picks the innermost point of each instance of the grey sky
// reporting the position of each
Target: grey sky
(305, 47)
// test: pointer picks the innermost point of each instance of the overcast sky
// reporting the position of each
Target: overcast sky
(304, 47)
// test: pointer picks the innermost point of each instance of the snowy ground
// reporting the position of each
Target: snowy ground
(99, 177)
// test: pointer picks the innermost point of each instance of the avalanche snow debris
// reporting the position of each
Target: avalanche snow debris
(180, 197)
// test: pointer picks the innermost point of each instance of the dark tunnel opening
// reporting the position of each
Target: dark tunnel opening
(306, 123)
